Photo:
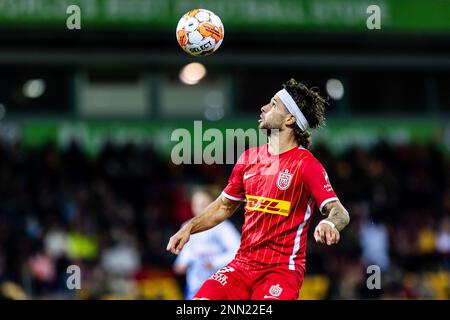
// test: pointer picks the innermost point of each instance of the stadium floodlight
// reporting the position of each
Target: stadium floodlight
(34, 88)
(192, 73)
(335, 89)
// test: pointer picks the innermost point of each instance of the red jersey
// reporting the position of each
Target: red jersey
(279, 193)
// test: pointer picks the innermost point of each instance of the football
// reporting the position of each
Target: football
(200, 32)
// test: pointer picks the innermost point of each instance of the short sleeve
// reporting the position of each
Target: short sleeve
(318, 183)
(235, 188)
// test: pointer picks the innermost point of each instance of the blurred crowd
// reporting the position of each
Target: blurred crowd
(113, 214)
(399, 199)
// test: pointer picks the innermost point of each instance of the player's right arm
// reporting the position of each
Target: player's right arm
(220, 209)
(217, 211)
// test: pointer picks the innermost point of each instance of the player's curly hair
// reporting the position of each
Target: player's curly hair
(311, 104)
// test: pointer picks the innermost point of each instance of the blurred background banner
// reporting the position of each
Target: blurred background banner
(338, 135)
(311, 15)
(87, 117)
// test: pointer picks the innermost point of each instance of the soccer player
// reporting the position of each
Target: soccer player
(206, 251)
(279, 182)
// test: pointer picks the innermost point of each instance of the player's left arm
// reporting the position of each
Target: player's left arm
(328, 230)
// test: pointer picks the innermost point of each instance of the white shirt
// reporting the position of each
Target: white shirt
(216, 246)
(443, 243)
(374, 240)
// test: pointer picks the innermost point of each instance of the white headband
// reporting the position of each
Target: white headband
(293, 109)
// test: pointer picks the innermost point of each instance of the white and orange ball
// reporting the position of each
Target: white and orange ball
(200, 32)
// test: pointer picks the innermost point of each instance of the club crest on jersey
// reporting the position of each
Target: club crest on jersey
(284, 180)
(275, 290)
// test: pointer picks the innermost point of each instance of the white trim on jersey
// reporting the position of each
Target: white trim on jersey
(324, 202)
(298, 237)
(226, 195)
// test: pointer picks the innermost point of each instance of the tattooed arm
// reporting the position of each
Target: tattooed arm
(337, 214)
(327, 231)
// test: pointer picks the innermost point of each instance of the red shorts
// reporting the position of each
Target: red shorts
(237, 282)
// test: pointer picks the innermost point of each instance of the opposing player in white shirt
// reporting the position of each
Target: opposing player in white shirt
(208, 251)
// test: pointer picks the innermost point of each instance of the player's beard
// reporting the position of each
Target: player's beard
(269, 126)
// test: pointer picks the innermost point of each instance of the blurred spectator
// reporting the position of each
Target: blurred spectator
(122, 257)
(55, 242)
(443, 241)
(375, 244)
(208, 251)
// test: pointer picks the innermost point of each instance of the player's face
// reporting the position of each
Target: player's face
(273, 115)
